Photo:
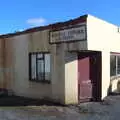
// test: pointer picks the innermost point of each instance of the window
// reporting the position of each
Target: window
(118, 64)
(39, 64)
(114, 65)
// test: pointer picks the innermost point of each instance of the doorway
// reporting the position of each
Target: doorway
(89, 76)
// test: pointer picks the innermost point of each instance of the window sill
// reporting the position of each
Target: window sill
(41, 81)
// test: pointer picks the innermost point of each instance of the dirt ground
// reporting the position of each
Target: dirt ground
(109, 109)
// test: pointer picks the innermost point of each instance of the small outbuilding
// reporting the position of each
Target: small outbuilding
(68, 62)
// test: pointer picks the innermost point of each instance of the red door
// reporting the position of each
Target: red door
(84, 81)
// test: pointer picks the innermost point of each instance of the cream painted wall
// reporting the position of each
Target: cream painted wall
(105, 73)
(104, 37)
(71, 78)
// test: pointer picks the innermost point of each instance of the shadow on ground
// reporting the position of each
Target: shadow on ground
(22, 101)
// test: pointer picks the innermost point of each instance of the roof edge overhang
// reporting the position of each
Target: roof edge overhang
(54, 26)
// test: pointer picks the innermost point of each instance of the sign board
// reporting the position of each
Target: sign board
(69, 34)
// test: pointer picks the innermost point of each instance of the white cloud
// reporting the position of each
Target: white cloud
(36, 21)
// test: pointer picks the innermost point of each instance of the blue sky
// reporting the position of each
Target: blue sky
(22, 14)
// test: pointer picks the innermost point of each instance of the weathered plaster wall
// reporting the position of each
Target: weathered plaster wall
(24, 44)
(17, 79)
(2, 85)
(58, 73)
(8, 63)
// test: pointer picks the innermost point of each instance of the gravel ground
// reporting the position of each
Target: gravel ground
(109, 109)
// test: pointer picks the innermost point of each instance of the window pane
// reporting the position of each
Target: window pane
(47, 66)
(112, 65)
(40, 71)
(40, 56)
(33, 65)
(118, 64)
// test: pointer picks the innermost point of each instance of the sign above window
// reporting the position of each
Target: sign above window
(68, 35)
